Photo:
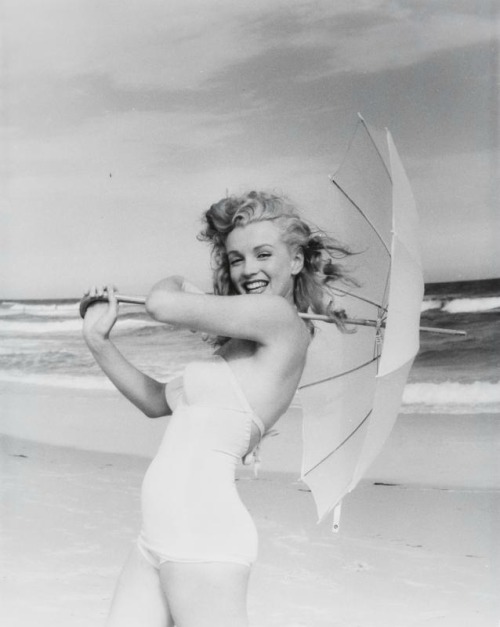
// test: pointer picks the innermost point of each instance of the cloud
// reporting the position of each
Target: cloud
(177, 44)
(122, 114)
(183, 44)
(134, 143)
(391, 36)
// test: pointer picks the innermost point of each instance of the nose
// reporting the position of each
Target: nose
(250, 267)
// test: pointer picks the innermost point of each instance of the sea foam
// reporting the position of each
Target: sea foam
(64, 326)
(46, 309)
(462, 305)
(452, 397)
(58, 381)
(465, 305)
(77, 382)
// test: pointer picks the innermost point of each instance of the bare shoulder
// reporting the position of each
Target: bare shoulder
(290, 338)
(282, 319)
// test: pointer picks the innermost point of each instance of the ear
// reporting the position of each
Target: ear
(297, 261)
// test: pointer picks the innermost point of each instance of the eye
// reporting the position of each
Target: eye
(234, 261)
(264, 255)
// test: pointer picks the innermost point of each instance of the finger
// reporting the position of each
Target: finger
(110, 290)
(86, 303)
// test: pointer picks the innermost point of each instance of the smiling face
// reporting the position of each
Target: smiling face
(260, 261)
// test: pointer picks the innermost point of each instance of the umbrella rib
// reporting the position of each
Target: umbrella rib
(387, 283)
(376, 148)
(337, 376)
(340, 445)
(365, 300)
(362, 213)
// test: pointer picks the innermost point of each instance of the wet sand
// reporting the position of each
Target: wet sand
(418, 543)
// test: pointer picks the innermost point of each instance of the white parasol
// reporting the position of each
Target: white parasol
(353, 384)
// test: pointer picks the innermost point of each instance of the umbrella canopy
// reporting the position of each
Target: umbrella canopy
(352, 386)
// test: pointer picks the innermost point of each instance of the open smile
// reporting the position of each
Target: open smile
(255, 287)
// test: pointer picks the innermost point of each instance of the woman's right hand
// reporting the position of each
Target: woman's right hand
(100, 317)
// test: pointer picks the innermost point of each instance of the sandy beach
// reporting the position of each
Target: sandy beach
(418, 543)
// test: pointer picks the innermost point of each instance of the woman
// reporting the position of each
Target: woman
(192, 561)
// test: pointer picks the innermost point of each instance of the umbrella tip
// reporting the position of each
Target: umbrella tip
(361, 117)
(336, 517)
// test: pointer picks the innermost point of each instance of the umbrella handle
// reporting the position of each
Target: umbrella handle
(141, 300)
(88, 300)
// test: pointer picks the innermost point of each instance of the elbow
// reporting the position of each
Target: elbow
(156, 305)
(156, 405)
(150, 412)
(152, 304)
(161, 298)
(156, 412)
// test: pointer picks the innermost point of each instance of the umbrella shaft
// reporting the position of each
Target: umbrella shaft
(373, 323)
(442, 331)
(133, 300)
(358, 321)
(140, 300)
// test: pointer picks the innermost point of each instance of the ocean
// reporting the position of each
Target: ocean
(41, 343)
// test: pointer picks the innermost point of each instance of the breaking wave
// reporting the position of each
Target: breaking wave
(64, 326)
(11, 308)
(462, 305)
(452, 397)
(58, 381)
(87, 382)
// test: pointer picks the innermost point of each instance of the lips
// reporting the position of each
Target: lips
(255, 287)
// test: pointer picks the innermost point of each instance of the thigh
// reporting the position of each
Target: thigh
(139, 599)
(201, 594)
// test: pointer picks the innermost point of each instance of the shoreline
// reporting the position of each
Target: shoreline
(447, 450)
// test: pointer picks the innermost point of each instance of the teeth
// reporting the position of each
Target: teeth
(255, 285)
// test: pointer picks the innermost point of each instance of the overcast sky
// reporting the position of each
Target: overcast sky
(123, 120)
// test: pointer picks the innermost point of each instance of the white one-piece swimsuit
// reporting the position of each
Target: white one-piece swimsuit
(191, 510)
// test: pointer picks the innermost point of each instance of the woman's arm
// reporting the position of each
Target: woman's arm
(261, 318)
(144, 392)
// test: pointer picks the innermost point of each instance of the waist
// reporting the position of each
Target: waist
(198, 429)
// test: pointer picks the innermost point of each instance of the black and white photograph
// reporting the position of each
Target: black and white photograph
(249, 313)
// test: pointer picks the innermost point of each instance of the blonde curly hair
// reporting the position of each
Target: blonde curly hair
(314, 286)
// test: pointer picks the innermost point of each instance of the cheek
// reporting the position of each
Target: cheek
(233, 270)
(283, 267)
(234, 275)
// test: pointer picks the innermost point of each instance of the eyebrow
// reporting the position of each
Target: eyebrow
(256, 248)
